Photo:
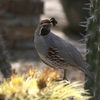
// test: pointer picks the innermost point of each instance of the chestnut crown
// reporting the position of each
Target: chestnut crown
(52, 20)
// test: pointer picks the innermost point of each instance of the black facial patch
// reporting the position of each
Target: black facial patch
(45, 30)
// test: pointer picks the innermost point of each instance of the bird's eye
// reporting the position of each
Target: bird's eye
(44, 30)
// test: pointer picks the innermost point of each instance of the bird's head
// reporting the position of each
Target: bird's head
(45, 26)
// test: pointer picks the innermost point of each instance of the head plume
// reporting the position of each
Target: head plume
(53, 21)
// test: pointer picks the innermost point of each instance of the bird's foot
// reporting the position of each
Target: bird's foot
(64, 78)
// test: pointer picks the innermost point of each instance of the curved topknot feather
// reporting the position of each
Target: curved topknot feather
(53, 21)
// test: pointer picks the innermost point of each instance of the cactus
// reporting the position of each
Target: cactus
(37, 85)
(93, 48)
(5, 66)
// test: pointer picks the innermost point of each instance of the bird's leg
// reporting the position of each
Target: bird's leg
(64, 74)
(64, 78)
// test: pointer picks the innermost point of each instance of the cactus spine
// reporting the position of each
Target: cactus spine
(93, 48)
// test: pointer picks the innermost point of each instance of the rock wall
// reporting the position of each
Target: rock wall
(19, 19)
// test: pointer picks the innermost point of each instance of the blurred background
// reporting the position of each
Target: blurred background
(20, 18)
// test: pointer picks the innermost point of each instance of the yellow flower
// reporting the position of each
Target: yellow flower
(17, 81)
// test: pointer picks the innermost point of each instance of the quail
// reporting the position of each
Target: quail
(56, 52)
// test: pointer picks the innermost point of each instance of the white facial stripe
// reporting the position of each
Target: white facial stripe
(40, 30)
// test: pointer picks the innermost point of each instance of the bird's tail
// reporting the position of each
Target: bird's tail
(86, 71)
